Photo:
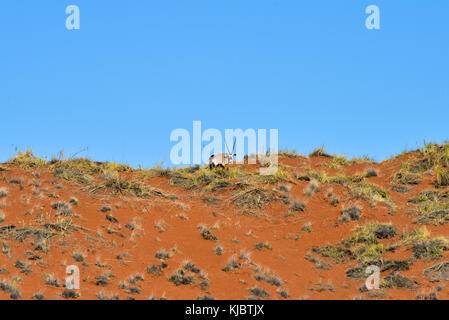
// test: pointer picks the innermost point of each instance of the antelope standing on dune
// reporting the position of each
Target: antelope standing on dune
(222, 159)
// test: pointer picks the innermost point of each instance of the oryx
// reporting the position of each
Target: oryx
(222, 159)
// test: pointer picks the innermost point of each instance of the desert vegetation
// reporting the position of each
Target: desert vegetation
(308, 231)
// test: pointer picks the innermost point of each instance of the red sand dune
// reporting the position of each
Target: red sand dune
(129, 232)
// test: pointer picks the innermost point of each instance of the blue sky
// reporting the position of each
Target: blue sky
(136, 70)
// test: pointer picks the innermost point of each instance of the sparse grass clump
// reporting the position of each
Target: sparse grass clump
(371, 172)
(302, 177)
(307, 227)
(435, 217)
(258, 292)
(430, 249)
(130, 290)
(20, 234)
(274, 280)
(80, 170)
(38, 296)
(341, 160)
(396, 280)
(429, 195)
(16, 181)
(218, 184)
(63, 209)
(405, 177)
(433, 207)
(50, 280)
(319, 152)
(206, 233)
(155, 270)
(257, 198)
(11, 289)
(105, 209)
(163, 254)
(103, 280)
(205, 297)
(131, 226)
(118, 185)
(334, 201)
(261, 245)
(78, 257)
(111, 218)
(63, 226)
(430, 296)
(431, 156)
(70, 294)
(400, 188)
(189, 266)
(233, 264)
(70, 171)
(280, 175)
(338, 161)
(159, 171)
(339, 178)
(442, 176)
(336, 254)
(312, 188)
(298, 206)
(320, 176)
(211, 200)
(370, 233)
(351, 213)
(292, 154)
(320, 287)
(196, 177)
(135, 278)
(3, 192)
(284, 293)
(218, 250)
(24, 266)
(414, 236)
(27, 160)
(116, 167)
(160, 225)
(180, 278)
(439, 271)
(364, 243)
(370, 192)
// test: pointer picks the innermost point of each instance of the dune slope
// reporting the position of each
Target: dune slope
(308, 232)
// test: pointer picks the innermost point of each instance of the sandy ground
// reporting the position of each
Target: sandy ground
(117, 255)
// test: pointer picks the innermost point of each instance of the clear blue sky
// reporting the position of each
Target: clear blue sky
(136, 70)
